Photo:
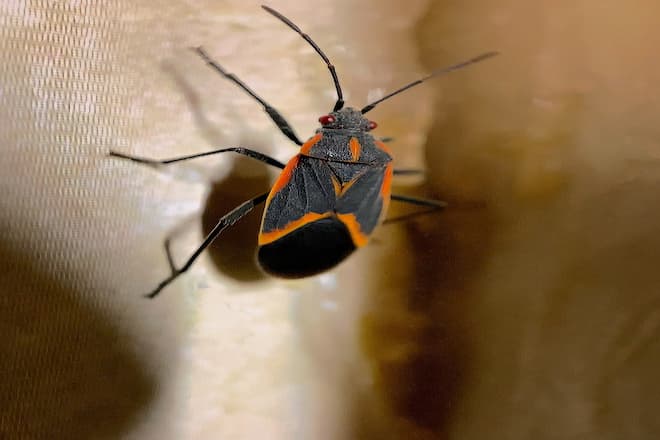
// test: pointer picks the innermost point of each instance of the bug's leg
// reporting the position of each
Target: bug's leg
(437, 204)
(225, 221)
(244, 151)
(410, 216)
(432, 205)
(277, 118)
(401, 172)
(168, 254)
(407, 172)
(177, 230)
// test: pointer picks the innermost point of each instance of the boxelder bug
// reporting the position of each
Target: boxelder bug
(328, 198)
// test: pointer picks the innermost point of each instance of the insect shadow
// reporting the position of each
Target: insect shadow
(235, 254)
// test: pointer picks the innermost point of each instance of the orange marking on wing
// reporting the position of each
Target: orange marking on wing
(382, 146)
(336, 185)
(359, 238)
(386, 189)
(284, 178)
(346, 186)
(269, 237)
(307, 146)
(355, 147)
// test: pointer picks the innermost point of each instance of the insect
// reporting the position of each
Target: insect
(329, 197)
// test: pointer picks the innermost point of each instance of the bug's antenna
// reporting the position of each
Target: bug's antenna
(340, 97)
(434, 74)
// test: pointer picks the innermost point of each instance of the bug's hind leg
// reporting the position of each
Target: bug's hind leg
(225, 221)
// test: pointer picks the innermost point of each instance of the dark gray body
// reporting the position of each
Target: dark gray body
(327, 201)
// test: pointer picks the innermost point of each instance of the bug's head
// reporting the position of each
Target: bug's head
(347, 119)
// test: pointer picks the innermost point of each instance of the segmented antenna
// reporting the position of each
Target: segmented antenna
(434, 74)
(340, 97)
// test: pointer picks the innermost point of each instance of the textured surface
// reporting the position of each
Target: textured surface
(83, 355)
(528, 310)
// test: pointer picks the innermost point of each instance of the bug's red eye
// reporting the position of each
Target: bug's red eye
(326, 119)
(372, 125)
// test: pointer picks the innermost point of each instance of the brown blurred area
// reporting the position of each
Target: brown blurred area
(528, 309)
(531, 308)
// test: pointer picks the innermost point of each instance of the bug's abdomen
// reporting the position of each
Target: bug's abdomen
(308, 250)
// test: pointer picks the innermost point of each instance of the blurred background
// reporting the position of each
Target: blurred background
(529, 309)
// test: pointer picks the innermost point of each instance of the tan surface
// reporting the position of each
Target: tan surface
(529, 310)
(83, 355)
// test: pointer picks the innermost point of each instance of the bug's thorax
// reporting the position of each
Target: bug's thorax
(345, 137)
